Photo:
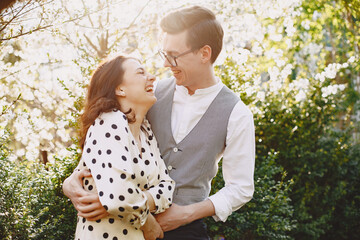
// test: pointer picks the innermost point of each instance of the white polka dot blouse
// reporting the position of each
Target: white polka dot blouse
(121, 173)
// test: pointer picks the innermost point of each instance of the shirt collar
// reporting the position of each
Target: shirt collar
(202, 91)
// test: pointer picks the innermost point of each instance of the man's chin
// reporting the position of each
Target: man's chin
(179, 81)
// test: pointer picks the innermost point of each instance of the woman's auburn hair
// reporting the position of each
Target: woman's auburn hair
(101, 95)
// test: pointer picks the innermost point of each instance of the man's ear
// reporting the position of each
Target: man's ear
(119, 92)
(205, 53)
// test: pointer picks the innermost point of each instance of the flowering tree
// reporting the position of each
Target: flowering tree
(295, 63)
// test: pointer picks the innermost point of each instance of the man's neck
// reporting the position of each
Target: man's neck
(204, 81)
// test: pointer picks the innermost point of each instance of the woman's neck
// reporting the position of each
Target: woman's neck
(135, 128)
(139, 114)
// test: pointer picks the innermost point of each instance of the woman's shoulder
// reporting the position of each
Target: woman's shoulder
(113, 117)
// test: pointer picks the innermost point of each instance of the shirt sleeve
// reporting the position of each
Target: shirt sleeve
(163, 187)
(107, 154)
(238, 164)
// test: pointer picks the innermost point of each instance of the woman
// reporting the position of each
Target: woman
(121, 152)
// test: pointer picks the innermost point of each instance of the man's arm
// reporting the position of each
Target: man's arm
(238, 164)
(177, 215)
(87, 204)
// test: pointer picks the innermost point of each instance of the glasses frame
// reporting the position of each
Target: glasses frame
(169, 58)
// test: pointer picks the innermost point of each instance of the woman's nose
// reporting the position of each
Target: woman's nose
(151, 77)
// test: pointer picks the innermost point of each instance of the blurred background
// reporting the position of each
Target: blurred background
(294, 63)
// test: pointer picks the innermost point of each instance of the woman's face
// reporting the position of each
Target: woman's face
(137, 84)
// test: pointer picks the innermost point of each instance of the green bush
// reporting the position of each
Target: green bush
(269, 215)
(55, 216)
(313, 139)
(318, 156)
(13, 220)
(32, 205)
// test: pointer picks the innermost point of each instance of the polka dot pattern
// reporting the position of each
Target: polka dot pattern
(120, 175)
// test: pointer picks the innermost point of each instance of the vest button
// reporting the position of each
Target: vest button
(170, 167)
(175, 149)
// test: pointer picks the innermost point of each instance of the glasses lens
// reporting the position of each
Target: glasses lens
(162, 55)
(168, 58)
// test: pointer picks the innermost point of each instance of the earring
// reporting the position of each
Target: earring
(120, 93)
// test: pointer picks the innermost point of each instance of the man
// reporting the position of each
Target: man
(196, 120)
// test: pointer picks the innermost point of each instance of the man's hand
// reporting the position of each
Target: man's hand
(151, 229)
(173, 217)
(87, 204)
(91, 208)
(177, 215)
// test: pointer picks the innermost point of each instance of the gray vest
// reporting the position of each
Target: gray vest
(191, 162)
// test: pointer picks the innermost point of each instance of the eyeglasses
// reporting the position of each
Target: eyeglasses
(172, 59)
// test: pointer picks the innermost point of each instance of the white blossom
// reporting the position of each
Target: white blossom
(260, 96)
(331, 70)
(306, 24)
(274, 73)
(300, 84)
(289, 25)
(275, 85)
(286, 71)
(351, 59)
(300, 96)
(332, 89)
(320, 77)
(316, 15)
(243, 56)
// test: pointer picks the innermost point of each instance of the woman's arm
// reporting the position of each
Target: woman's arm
(162, 191)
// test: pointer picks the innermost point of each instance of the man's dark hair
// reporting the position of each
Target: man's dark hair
(202, 26)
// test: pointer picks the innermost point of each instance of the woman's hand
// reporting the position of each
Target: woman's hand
(87, 204)
(151, 229)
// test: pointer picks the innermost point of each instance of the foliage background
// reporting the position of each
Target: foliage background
(294, 63)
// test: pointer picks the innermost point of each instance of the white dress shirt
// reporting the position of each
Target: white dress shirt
(239, 154)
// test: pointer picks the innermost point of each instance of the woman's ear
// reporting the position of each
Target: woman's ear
(205, 54)
(119, 92)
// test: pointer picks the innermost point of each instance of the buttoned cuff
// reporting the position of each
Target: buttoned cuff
(161, 202)
(222, 207)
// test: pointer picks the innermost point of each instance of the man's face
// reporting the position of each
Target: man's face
(187, 65)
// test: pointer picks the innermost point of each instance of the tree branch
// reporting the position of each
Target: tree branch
(91, 44)
(15, 16)
(8, 107)
(50, 25)
(25, 33)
